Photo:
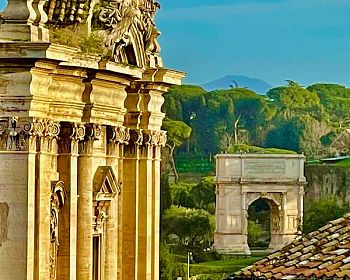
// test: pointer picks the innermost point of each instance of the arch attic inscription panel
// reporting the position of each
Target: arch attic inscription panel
(242, 179)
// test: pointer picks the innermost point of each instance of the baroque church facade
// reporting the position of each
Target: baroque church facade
(80, 140)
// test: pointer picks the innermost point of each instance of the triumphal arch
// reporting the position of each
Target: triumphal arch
(81, 85)
(242, 179)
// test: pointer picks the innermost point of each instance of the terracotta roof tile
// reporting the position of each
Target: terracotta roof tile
(345, 267)
(322, 253)
(334, 266)
(345, 273)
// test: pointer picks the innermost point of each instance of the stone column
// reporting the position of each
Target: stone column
(143, 105)
(144, 213)
(159, 143)
(130, 202)
(300, 206)
(18, 149)
(44, 175)
(116, 137)
(67, 163)
(85, 202)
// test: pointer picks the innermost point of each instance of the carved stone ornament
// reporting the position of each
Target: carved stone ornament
(155, 138)
(119, 134)
(93, 132)
(67, 12)
(275, 197)
(70, 135)
(58, 196)
(18, 134)
(100, 218)
(129, 30)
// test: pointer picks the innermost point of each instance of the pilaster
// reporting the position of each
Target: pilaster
(46, 158)
(160, 139)
(18, 145)
(130, 205)
(70, 136)
(117, 137)
(85, 202)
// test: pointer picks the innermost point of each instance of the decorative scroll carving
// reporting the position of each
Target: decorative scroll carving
(155, 138)
(58, 196)
(135, 142)
(93, 132)
(119, 134)
(70, 135)
(19, 135)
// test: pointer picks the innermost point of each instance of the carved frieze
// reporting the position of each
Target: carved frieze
(67, 12)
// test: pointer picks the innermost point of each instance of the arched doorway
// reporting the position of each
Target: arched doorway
(259, 229)
(264, 224)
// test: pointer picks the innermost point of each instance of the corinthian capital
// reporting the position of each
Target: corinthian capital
(18, 134)
(155, 137)
(118, 134)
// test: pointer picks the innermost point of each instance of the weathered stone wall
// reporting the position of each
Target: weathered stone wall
(14, 216)
(326, 180)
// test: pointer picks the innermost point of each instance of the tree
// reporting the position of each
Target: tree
(165, 194)
(178, 131)
(320, 212)
(181, 194)
(204, 194)
(255, 232)
(194, 227)
(285, 135)
(313, 130)
(293, 99)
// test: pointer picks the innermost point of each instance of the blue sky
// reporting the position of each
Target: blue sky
(303, 40)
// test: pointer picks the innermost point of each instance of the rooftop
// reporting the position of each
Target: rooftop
(324, 253)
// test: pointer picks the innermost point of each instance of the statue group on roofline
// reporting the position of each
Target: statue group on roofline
(124, 30)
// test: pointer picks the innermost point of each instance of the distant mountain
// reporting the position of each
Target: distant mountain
(226, 82)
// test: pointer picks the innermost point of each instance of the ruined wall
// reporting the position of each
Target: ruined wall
(326, 180)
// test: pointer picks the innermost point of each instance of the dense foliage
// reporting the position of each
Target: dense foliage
(320, 212)
(290, 117)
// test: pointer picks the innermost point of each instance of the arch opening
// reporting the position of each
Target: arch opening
(263, 219)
